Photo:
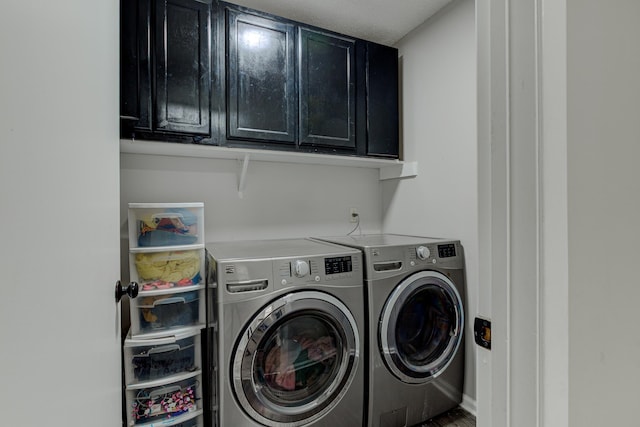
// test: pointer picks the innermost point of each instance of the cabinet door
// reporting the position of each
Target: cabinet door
(327, 90)
(135, 67)
(183, 66)
(382, 101)
(260, 78)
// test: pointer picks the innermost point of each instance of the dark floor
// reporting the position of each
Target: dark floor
(457, 417)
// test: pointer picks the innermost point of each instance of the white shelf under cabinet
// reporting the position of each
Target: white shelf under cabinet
(389, 168)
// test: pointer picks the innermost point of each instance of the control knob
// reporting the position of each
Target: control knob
(300, 268)
(423, 252)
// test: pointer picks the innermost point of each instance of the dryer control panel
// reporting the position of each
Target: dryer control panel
(433, 253)
(447, 250)
(394, 260)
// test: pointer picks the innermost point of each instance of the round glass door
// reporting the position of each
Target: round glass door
(296, 359)
(421, 327)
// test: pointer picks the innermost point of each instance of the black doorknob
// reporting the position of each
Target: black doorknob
(131, 289)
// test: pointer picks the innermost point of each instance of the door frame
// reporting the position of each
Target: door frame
(522, 381)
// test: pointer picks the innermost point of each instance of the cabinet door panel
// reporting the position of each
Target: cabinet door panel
(261, 78)
(135, 67)
(327, 90)
(382, 101)
(183, 66)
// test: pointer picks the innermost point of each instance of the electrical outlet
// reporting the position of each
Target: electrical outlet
(353, 215)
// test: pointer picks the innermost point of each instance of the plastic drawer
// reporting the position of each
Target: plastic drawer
(168, 224)
(156, 314)
(179, 402)
(166, 269)
(197, 422)
(155, 359)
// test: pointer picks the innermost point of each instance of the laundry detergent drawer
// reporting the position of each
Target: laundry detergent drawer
(161, 358)
(161, 270)
(177, 403)
(155, 313)
(167, 224)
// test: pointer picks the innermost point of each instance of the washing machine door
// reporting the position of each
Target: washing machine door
(421, 327)
(296, 359)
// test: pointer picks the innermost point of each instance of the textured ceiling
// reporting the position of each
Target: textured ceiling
(381, 21)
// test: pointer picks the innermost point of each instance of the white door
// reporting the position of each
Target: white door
(59, 198)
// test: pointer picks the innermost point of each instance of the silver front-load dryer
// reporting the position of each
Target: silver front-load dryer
(289, 316)
(415, 319)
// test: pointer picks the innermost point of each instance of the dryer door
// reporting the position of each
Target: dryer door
(421, 327)
(296, 359)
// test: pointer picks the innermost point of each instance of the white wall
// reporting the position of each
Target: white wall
(438, 66)
(279, 201)
(603, 151)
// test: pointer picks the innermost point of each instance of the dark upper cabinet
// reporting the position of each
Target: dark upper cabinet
(382, 101)
(183, 67)
(261, 98)
(166, 69)
(288, 86)
(327, 90)
(135, 66)
(211, 72)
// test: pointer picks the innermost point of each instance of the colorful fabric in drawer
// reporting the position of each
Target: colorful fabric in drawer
(164, 402)
(163, 360)
(178, 268)
(171, 227)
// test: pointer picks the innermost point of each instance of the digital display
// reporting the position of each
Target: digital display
(337, 265)
(446, 251)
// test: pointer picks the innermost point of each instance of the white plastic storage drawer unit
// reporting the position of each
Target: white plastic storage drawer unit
(166, 259)
(163, 350)
(162, 358)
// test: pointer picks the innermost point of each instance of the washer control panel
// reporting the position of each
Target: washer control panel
(338, 265)
(308, 271)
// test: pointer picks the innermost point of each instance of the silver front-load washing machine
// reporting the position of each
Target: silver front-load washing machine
(415, 318)
(288, 317)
